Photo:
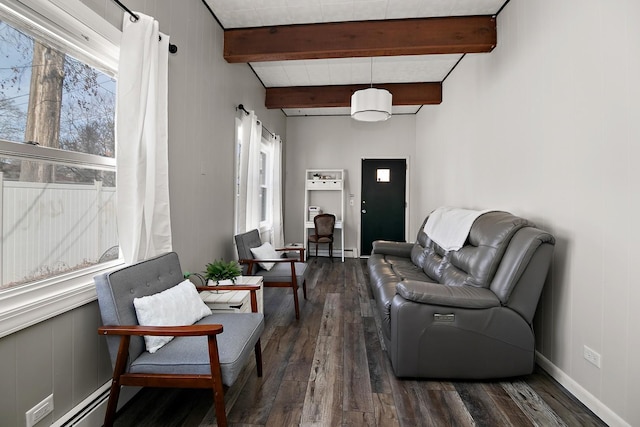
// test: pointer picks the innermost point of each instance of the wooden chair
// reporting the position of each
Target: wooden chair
(207, 354)
(324, 225)
(286, 273)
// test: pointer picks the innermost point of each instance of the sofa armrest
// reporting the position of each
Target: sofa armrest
(451, 296)
(387, 247)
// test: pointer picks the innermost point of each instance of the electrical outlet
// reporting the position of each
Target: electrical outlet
(38, 412)
(591, 356)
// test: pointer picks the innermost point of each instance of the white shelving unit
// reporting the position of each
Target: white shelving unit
(325, 188)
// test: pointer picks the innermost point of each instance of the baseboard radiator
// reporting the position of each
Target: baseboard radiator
(90, 412)
(337, 253)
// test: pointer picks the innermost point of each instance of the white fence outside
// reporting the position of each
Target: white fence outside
(48, 228)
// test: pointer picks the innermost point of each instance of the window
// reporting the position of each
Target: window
(57, 154)
(254, 179)
(383, 175)
(266, 184)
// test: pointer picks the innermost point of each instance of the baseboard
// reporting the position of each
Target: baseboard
(588, 399)
(90, 412)
(337, 253)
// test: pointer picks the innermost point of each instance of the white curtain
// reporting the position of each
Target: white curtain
(248, 207)
(142, 179)
(278, 223)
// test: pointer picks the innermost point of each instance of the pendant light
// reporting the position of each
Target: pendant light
(371, 104)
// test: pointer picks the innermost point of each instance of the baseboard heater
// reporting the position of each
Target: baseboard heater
(90, 412)
(323, 252)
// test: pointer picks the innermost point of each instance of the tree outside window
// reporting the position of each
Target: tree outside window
(57, 199)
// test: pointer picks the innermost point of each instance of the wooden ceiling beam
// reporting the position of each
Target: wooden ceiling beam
(340, 95)
(419, 36)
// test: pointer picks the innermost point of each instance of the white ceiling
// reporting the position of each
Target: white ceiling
(318, 72)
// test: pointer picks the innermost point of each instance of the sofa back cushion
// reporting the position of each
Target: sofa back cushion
(477, 261)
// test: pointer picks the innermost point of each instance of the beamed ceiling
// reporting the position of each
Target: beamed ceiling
(311, 55)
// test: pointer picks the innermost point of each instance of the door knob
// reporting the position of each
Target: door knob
(364, 211)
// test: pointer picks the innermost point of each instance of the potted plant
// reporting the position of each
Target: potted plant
(222, 272)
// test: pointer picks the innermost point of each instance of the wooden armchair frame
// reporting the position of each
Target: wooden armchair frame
(289, 284)
(279, 276)
(212, 381)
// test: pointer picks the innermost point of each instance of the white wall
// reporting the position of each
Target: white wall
(341, 143)
(547, 127)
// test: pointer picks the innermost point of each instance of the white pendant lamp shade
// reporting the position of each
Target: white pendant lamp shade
(371, 105)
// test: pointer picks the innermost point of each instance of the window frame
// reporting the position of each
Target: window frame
(267, 149)
(74, 24)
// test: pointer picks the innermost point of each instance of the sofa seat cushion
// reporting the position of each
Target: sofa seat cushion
(397, 268)
(407, 270)
(190, 355)
(450, 296)
(380, 271)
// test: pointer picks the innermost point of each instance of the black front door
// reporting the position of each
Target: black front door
(382, 210)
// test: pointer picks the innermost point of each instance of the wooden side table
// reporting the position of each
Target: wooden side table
(234, 301)
(296, 249)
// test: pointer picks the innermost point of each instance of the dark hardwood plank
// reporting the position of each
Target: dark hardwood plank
(258, 394)
(376, 359)
(166, 407)
(358, 419)
(287, 406)
(385, 410)
(443, 408)
(570, 409)
(323, 399)
(357, 394)
(510, 409)
(531, 404)
(331, 324)
(480, 405)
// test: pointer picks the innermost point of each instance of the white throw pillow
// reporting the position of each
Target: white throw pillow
(265, 251)
(177, 306)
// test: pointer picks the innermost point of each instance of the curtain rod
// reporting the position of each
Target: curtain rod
(241, 108)
(172, 47)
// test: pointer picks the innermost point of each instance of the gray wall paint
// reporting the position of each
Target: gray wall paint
(341, 143)
(65, 355)
(546, 126)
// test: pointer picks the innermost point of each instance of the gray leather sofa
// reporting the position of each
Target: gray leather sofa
(462, 314)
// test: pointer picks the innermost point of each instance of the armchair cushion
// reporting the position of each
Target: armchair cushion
(189, 355)
(265, 251)
(179, 305)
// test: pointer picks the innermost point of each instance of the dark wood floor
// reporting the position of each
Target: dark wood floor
(329, 369)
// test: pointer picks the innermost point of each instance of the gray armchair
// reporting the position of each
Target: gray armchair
(207, 354)
(285, 273)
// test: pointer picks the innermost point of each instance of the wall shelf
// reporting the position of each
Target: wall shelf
(325, 188)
